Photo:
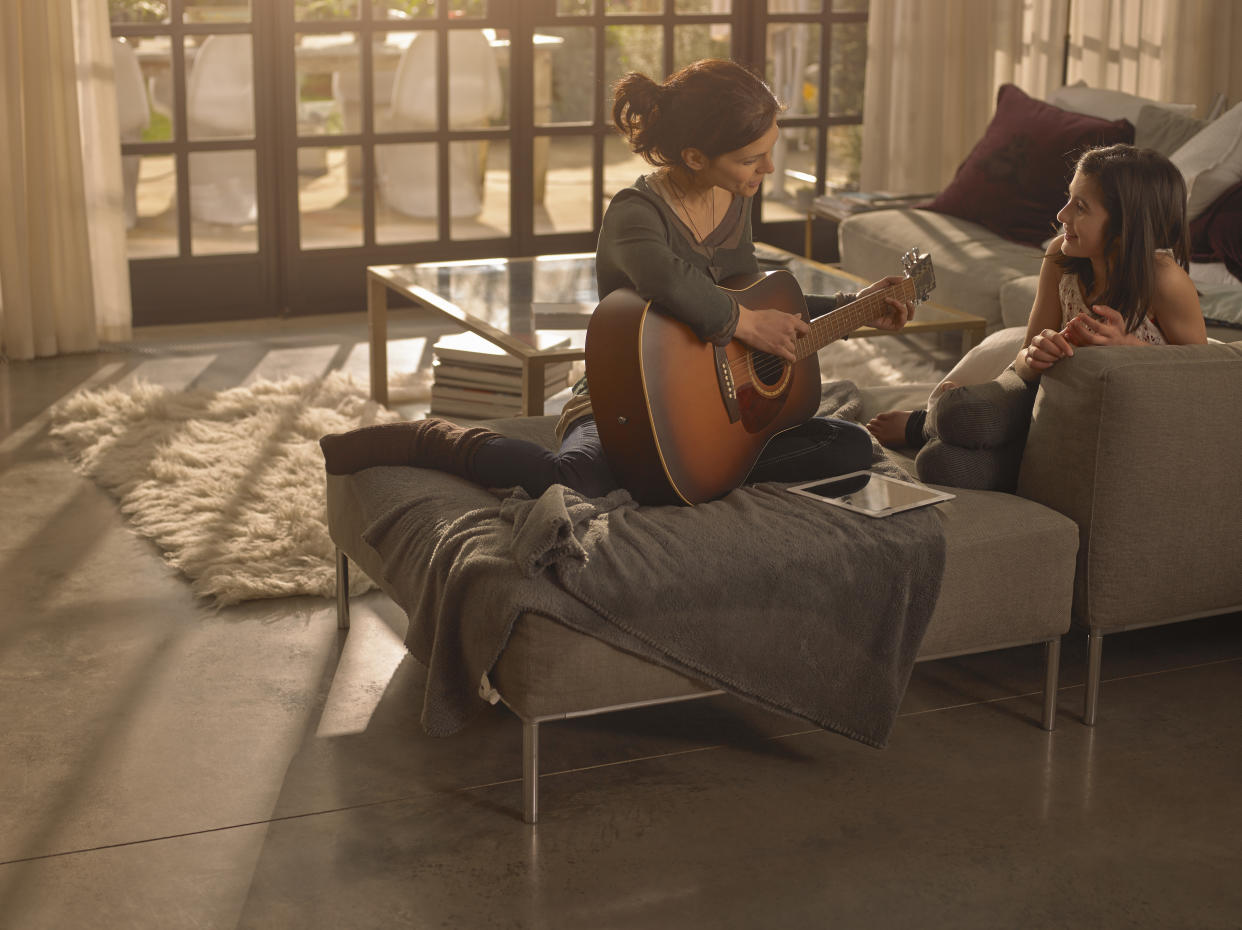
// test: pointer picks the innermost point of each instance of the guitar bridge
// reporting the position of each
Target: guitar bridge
(728, 388)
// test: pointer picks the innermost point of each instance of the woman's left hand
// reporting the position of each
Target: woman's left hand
(1106, 327)
(896, 313)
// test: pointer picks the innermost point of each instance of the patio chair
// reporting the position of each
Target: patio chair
(133, 117)
(220, 104)
(408, 179)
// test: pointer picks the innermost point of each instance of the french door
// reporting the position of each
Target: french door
(274, 148)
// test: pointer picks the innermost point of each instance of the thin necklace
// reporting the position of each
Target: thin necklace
(699, 237)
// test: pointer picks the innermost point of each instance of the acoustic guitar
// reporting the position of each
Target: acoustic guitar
(683, 421)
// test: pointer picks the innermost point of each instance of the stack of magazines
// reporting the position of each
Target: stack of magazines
(478, 380)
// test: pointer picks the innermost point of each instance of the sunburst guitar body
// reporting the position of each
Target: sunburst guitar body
(683, 421)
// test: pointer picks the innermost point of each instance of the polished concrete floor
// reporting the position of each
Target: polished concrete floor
(166, 765)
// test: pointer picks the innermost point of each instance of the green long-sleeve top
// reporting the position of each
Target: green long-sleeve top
(645, 246)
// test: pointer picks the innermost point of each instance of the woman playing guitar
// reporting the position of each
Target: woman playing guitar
(672, 237)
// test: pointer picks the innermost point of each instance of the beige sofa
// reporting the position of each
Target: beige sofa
(981, 272)
(990, 598)
(1139, 446)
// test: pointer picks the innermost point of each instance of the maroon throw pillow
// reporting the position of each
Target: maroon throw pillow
(1015, 178)
(1216, 233)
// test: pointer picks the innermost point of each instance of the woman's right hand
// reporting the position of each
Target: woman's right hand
(773, 331)
(1046, 348)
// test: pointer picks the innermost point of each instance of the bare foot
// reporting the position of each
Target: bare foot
(890, 428)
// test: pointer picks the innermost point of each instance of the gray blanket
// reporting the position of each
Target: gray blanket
(802, 607)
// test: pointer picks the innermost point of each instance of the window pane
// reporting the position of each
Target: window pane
(793, 66)
(706, 40)
(564, 74)
(319, 10)
(632, 7)
(562, 184)
(849, 66)
(477, 93)
(138, 11)
(575, 7)
(621, 166)
(404, 9)
(328, 84)
(220, 88)
(213, 11)
(850, 6)
(795, 6)
(479, 189)
(703, 6)
(150, 191)
(468, 9)
(844, 157)
(223, 206)
(789, 190)
(631, 48)
(405, 192)
(329, 215)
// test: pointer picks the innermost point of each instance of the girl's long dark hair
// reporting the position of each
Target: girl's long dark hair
(713, 105)
(1145, 197)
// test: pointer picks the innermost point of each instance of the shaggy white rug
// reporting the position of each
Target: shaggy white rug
(229, 484)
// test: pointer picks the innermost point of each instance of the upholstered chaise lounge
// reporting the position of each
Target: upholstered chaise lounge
(1007, 581)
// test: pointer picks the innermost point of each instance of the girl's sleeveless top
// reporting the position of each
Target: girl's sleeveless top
(1072, 304)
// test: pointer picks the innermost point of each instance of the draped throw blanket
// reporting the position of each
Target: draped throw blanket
(799, 606)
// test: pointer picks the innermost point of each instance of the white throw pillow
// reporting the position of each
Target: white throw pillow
(1211, 162)
(1213, 273)
(1110, 104)
(986, 360)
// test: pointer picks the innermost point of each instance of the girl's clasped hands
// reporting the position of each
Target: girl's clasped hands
(1103, 326)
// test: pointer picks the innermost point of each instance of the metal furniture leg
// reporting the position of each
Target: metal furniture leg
(1095, 649)
(530, 771)
(342, 590)
(1052, 675)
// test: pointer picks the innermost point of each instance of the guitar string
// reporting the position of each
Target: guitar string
(772, 364)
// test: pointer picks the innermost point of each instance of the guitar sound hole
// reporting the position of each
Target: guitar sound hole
(768, 369)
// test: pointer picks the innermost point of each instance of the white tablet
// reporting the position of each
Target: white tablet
(871, 493)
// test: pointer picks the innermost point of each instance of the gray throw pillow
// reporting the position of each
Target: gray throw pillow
(1164, 130)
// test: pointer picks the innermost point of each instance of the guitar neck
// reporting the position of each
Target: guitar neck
(832, 326)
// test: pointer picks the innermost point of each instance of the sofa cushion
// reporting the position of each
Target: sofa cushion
(1165, 130)
(1211, 161)
(1111, 104)
(971, 263)
(1222, 308)
(1017, 297)
(1008, 574)
(1014, 180)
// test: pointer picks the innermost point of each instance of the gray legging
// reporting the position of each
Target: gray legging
(819, 448)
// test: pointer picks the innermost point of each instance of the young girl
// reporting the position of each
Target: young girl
(1115, 276)
(672, 236)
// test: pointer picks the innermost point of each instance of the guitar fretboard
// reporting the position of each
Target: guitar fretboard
(832, 326)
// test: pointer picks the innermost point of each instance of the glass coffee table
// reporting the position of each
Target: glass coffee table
(537, 309)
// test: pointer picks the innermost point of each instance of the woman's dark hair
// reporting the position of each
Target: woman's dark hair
(713, 105)
(1145, 197)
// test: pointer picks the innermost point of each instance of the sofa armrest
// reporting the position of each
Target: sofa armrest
(1141, 447)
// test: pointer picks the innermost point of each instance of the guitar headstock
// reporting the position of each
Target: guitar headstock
(918, 267)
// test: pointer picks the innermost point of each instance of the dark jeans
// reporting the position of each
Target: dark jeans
(819, 448)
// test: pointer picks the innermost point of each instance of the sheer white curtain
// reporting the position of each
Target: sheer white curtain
(1180, 51)
(933, 69)
(64, 282)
